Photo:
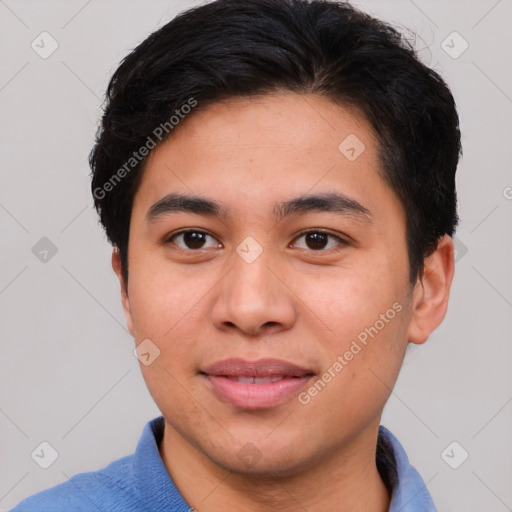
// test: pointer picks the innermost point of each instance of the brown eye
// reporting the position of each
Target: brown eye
(316, 240)
(193, 240)
(319, 241)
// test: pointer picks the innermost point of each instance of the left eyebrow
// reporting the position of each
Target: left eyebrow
(327, 202)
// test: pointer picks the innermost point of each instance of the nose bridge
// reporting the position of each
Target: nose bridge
(251, 297)
(251, 276)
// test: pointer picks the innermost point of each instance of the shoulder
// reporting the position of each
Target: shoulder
(111, 488)
(130, 484)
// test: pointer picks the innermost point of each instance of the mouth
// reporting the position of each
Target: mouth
(258, 384)
(256, 380)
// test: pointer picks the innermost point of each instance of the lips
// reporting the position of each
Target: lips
(255, 380)
(255, 384)
(269, 368)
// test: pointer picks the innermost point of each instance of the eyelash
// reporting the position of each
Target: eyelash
(341, 242)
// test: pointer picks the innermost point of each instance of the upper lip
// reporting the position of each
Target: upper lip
(236, 367)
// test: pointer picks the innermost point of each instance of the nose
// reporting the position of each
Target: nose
(254, 298)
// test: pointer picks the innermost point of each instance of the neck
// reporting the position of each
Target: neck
(346, 479)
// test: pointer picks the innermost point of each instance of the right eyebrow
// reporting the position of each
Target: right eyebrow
(183, 203)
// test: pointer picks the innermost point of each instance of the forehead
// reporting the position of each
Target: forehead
(258, 150)
(301, 122)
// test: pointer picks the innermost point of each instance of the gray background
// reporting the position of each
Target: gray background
(68, 375)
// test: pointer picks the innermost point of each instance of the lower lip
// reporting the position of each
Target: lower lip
(256, 396)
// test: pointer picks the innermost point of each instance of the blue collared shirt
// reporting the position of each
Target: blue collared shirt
(141, 483)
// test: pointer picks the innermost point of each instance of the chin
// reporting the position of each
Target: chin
(270, 467)
(261, 459)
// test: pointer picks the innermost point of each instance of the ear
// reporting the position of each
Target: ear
(125, 300)
(431, 292)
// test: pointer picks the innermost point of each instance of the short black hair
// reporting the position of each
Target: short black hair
(233, 48)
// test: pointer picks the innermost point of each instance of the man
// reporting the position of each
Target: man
(277, 180)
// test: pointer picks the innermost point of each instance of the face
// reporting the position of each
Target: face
(269, 272)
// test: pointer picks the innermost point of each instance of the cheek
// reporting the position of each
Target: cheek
(367, 316)
(163, 301)
(362, 365)
(168, 306)
(348, 300)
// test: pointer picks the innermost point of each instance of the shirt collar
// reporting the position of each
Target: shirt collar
(157, 490)
(154, 485)
(409, 492)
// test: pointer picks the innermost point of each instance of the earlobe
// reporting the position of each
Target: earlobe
(125, 300)
(432, 291)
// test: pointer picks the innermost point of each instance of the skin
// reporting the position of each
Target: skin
(293, 302)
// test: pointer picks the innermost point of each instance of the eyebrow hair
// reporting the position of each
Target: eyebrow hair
(325, 202)
(183, 203)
